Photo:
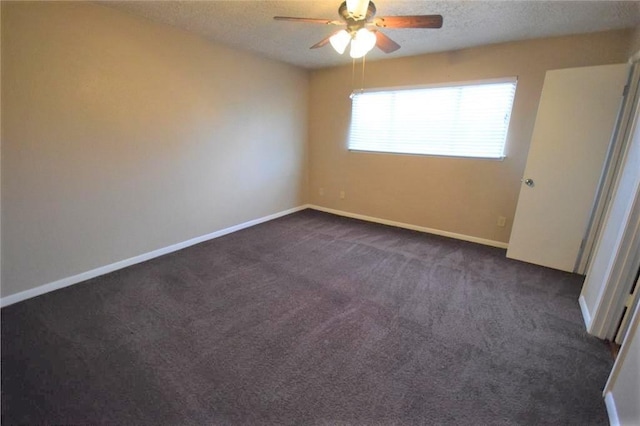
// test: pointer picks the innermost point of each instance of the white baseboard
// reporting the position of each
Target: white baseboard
(610, 403)
(66, 282)
(463, 237)
(586, 316)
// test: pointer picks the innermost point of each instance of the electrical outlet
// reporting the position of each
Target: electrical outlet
(342, 195)
(502, 221)
(321, 191)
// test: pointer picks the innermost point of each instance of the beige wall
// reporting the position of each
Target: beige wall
(463, 196)
(120, 136)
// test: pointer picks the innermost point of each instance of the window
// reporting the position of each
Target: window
(461, 120)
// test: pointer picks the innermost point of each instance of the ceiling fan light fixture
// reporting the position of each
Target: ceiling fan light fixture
(363, 41)
(358, 8)
(340, 41)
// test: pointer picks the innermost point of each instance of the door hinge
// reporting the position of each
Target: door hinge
(625, 91)
(629, 301)
(582, 243)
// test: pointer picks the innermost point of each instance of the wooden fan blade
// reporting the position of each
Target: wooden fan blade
(415, 21)
(385, 44)
(322, 42)
(308, 20)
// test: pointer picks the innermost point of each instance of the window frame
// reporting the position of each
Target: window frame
(511, 79)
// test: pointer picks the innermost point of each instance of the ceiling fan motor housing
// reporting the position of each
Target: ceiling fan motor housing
(354, 24)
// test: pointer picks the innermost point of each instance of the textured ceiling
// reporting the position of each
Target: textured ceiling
(249, 25)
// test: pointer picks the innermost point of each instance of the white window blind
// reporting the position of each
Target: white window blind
(464, 120)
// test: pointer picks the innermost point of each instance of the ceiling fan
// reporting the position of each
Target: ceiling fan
(360, 27)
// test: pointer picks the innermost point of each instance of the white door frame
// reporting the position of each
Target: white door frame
(611, 169)
(625, 259)
(623, 268)
(619, 410)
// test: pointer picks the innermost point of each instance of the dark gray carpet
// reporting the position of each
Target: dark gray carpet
(309, 319)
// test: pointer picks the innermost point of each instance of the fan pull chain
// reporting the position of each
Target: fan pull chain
(364, 59)
(353, 75)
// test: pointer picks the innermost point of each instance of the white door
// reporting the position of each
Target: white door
(576, 117)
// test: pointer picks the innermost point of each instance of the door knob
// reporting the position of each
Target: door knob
(529, 182)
